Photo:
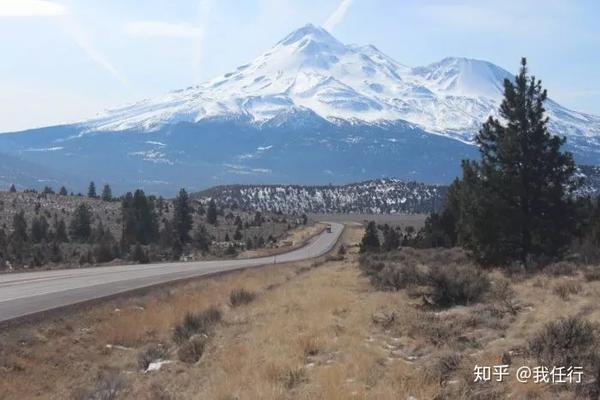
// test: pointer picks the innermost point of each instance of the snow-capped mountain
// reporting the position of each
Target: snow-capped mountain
(379, 196)
(311, 111)
(312, 70)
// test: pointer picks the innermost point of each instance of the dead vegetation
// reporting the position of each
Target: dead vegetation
(240, 297)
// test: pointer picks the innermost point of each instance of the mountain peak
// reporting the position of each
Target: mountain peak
(465, 77)
(309, 32)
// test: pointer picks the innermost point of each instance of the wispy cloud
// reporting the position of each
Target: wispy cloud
(158, 29)
(81, 37)
(337, 16)
(31, 8)
(205, 9)
(46, 8)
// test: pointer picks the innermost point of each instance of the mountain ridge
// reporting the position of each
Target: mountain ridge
(311, 69)
(311, 110)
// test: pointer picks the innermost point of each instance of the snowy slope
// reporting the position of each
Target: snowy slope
(311, 70)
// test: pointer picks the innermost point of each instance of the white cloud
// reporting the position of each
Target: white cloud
(46, 8)
(157, 29)
(31, 8)
(337, 16)
(82, 39)
(205, 10)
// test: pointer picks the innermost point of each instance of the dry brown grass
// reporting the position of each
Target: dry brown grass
(325, 333)
(565, 288)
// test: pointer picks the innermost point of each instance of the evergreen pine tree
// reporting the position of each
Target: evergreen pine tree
(81, 224)
(107, 193)
(370, 240)
(182, 218)
(56, 255)
(201, 238)
(92, 190)
(238, 234)
(12, 189)
(60, 231)
(63, 191)
(18, 245)
(139, 220)
(258, 219)
(19, 226)
(212, 213)
(39, 229)
(391, 239)
(238, 222)
(515, 202)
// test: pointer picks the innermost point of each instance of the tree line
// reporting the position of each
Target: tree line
(149, 228)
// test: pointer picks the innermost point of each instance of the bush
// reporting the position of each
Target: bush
(564, 289)
(194, 324)
(293, 377)
(150, 354)
(240, 297)
(397, 276)
(191, 351)
(567, 342)
(108, 386)
(561, 268)
(103, 253)
(592, 274)
(457, 284)
(571, 342)
(139, 255)
(434, 329)
(441, 367)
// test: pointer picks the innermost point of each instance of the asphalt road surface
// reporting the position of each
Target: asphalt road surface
(27, 293)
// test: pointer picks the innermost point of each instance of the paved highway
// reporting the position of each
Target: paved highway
(27, 293)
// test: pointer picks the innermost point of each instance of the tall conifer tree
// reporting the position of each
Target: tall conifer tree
(516, 203)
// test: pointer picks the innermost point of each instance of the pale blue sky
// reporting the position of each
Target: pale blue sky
(65, 60)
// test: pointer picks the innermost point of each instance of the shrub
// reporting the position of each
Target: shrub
(196, 324)
(457, 284)
(564, 289)
(442, 366)
(436, 330)
(240, 297)
(561, 268)
(157, 392)
(103, 253)
(150, 354)
(139, 255)
(191, 351)
(398, 276)
(108, 386)
(370, 266)
(592, 274)
(567, 342)
(294, 377)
